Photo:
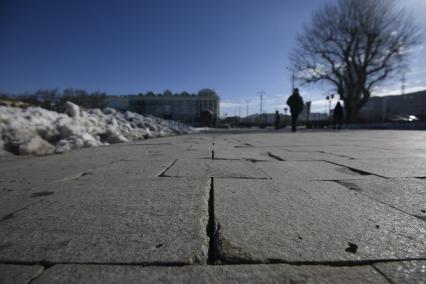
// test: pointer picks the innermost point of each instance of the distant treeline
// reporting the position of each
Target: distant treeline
(55, 100)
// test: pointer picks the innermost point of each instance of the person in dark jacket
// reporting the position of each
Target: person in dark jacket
(277, 120)
(338, 116)
(295, 102)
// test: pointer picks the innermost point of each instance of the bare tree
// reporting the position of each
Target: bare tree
(355, 45)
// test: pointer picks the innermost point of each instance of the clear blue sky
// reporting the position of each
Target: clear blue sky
(237, 47)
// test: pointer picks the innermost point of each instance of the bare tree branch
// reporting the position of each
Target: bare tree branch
(354, 46)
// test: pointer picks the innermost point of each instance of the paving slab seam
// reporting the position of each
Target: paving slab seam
(361, 172)
(353, 187)
(210, 230)
(11, 215)
(36, 276)
(48, 265)
(163, 173)
(332, 263)
(275, 157)
(337, 155)
(254, 178)
(383, 274)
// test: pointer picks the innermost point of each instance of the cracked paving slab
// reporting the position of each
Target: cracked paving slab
(286, 155)
(390, 167)
(24, 192)
(159, 220)
(215, 168)
(276, 273)
(404, 271)
(406, 194)
(264, 221)
(11, 273)
(308, 170)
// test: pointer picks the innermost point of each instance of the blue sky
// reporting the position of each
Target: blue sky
(237, 47)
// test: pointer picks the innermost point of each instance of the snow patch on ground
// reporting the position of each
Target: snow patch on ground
(37, 131)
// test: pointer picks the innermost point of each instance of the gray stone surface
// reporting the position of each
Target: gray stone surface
(406, 194)
(133, 221)
(404, 271)
(246, 154)
(116, 205)
(128, 169)
(19, 274)
(215, 168)
(308, 170)
(264, 221)
(300, 155)
(276, 273)
(390, 167)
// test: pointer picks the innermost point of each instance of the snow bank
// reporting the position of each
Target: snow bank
(37, 131)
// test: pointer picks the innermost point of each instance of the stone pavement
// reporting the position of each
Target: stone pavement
(220, 207)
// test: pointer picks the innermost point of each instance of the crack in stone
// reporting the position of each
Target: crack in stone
(360, 172)
(275, 157)
(381, 273)
(210, 230)
(163, 173)
(38, 274)
(12, 215)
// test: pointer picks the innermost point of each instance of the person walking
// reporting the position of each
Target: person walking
(295, 102)
(277, 120)
(338, 116)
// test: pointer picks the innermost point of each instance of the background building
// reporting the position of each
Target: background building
(197, 110)
(387, 107)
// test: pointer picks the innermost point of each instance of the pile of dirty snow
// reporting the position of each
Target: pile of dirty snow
(37, 131)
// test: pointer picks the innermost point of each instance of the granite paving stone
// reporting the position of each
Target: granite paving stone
(309, 170)
(390, 167)
(404, 271)
(265, 221)
(137, 221)
(18, 274)
(215, 168)
(255, 155)
(287, 155)
(406, 194)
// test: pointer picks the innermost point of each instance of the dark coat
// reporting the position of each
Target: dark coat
(338, 111)
(295, 102)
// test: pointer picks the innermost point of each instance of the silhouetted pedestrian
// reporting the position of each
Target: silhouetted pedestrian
(295, 102)
(338, 116)
(277, 120)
